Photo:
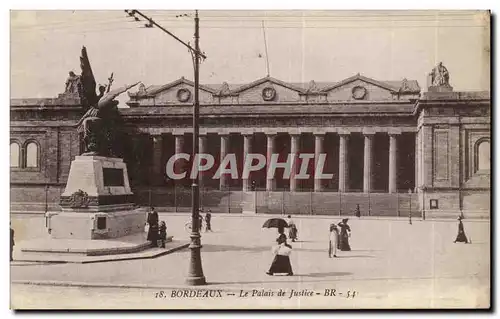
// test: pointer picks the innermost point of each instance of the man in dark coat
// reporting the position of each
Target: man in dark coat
(208, 221)
(12, 243)
(153, 227)
(357, 212)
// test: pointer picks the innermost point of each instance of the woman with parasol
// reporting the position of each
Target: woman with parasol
(281, 262)
(345, 233)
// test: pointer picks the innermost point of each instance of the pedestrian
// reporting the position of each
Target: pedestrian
(292, 232)
(153, 227)
(200, 222)
(357, 212)
(461, 237)
(409, 215)
(163, 233)
(12, 243)
(208, 221)
(333, 241)
(281, 262)
(345, 233)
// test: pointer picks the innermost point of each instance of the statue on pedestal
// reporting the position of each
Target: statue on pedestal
(101, 124)
(73, 84)
(440, 76)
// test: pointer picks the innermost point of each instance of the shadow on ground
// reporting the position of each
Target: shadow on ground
(324, 276)
(222, 248)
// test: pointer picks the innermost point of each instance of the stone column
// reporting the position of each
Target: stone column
(224, 150)
(179, 165)
(202, 149)
(392, 163)
(343, 164)
(270, 180)
(368, 159)
(157, 171)
(247, 149)
(294, 146)
(318, 149)
(417, 162)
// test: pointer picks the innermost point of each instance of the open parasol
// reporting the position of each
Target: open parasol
(275, 223)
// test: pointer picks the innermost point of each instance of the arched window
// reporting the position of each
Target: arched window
(483, 155)
(15, 154)
(32, 154)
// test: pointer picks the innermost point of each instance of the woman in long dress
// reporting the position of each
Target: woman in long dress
(153, 227)
(461, 237)
(345, 231)
(333, 241)
(281, 263)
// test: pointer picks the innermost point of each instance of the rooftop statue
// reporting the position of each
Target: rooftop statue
(440, 76)
(73, 83)
(101, 124)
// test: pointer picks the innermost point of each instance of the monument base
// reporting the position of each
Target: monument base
(97, 202)
(77, 224)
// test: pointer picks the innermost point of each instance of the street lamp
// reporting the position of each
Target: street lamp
(195, 275)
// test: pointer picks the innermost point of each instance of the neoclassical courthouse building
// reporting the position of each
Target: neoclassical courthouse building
(392, 147)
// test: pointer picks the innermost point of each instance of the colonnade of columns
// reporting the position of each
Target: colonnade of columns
(319, 148)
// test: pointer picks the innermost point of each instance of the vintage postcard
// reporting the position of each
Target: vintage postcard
(250, 159)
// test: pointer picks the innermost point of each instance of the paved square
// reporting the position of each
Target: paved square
(392, 264)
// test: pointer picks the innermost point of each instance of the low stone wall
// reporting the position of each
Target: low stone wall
(297, 203)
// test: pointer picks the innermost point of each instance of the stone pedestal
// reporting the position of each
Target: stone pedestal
(439, 89)
(97, 202)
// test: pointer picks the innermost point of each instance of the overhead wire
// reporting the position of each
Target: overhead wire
(259, 18)
(279, 21)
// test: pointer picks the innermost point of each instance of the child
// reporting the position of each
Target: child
(333, 241)
(163, 234)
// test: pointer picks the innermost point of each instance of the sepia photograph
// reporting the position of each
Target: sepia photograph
(258, 159)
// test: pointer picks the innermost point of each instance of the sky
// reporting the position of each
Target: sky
(301, 46)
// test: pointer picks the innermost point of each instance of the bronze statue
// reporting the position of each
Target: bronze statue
(440, 76)
(101, 124)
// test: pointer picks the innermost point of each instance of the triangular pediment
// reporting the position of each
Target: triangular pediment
(360, 88)
(268, 80)
(180, 82)
(360, 78)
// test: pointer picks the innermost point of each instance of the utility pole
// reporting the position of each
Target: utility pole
(195, 275)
